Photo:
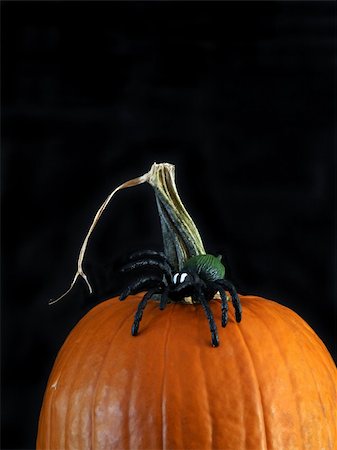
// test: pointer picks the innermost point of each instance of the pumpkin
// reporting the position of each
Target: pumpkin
(271, 384)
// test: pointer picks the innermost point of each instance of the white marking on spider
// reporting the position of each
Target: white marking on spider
(175, 278)
(183, 277)
(179, 278)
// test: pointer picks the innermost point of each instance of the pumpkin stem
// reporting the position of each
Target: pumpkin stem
(180, 235)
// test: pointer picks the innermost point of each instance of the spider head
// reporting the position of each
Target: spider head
(180, 277)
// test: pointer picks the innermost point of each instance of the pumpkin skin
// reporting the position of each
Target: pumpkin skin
(271, 384)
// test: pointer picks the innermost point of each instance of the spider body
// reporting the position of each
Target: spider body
(208, 267)
(201, 277)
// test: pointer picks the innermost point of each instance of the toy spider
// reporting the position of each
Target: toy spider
(201, 278)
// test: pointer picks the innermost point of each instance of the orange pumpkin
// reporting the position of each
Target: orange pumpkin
(271, 384)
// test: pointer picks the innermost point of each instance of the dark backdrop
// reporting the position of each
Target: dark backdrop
(239, 96)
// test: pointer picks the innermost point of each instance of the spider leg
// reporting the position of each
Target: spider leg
(235, 298)
(148, 263)
(142, 253)
(164, 298)
(209, 315)
(140, 284)
(224, 305)
(140, 310)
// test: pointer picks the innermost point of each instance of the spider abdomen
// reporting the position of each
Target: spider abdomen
(208, 267)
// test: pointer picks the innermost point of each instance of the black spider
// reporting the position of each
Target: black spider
(201, 277)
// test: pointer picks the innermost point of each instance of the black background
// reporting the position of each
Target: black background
(239, 96)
